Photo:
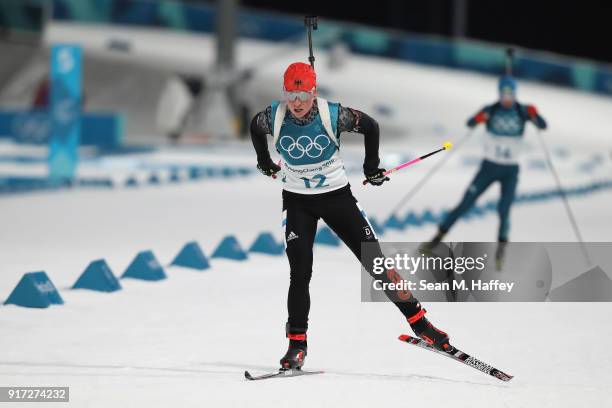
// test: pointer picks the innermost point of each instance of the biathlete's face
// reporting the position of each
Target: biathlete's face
(300, 102)
(507, 98)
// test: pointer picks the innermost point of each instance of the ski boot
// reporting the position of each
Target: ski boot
(296, 353)
(437, 238)
(499, 254)
(428, 247)
(428, 332)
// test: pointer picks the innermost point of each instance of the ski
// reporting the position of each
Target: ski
(280, 373)
(460, 356)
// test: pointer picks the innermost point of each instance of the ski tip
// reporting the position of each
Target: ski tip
(248, 375)
(447, 145)
(403, 337)
(500, 375)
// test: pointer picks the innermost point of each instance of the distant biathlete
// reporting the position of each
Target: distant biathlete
(505, 121)
(306, 132)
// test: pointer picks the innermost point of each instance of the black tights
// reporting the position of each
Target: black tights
(341, 212)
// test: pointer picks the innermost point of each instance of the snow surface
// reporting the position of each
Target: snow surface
(186, 341)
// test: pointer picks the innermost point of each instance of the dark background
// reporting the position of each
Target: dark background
(578, 28)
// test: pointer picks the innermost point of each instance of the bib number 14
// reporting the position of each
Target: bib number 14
(317, 181)
(503, 152)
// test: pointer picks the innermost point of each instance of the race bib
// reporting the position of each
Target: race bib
(503, 149)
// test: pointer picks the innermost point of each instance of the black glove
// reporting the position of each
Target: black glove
(376, 176)
(269, 169)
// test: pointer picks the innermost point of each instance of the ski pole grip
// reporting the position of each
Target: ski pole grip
(274, 175)
(386, 173)
(311, 21)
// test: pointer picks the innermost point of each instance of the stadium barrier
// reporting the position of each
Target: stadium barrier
(463, 54)
(36, 290)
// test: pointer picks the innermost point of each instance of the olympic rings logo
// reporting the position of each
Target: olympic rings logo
(304, 145)
(31, 127)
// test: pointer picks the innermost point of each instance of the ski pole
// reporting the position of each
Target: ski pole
(447, 146)
(408, 196)
(311, 23)
(279, 163)
(568, 209)
(509, 60)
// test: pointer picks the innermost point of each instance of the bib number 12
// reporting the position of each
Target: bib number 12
(319, 179)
